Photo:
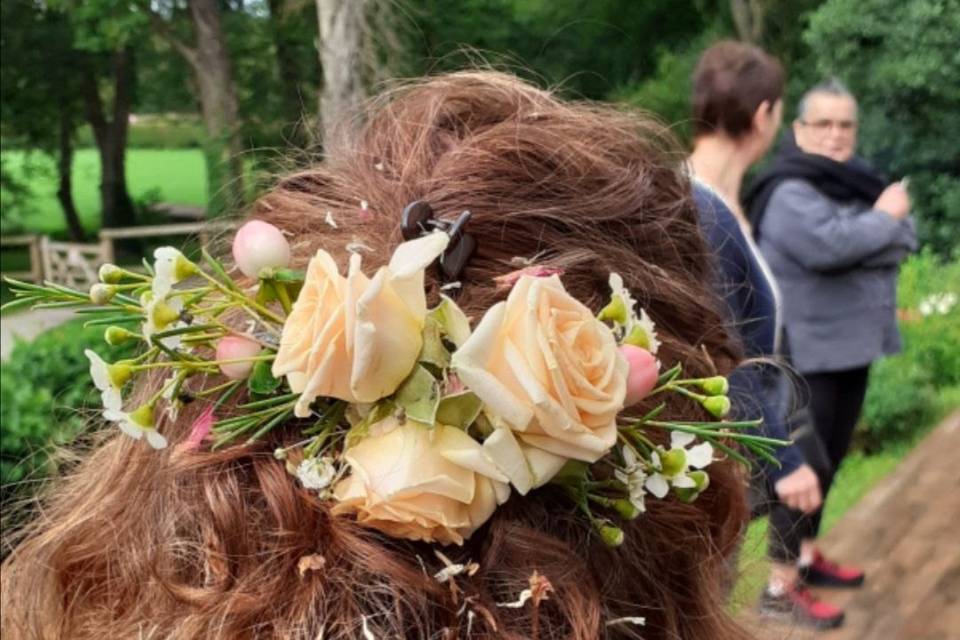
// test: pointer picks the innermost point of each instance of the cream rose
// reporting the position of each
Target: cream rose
(356, 338)
(420, 483)
(551, 372)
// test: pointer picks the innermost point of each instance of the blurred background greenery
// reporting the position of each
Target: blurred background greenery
(110, 107)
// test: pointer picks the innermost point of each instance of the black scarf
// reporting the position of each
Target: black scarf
(841, 181)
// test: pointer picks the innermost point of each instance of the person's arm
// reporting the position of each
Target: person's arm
(895, 253)
(805, 225)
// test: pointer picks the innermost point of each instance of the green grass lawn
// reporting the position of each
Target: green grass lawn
(165, 175)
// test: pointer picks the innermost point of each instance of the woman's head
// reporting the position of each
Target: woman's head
(738, 92)
(185, 544)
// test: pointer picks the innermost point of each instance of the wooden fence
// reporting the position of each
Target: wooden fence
(75, 264)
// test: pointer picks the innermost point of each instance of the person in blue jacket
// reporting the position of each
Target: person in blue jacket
(737, 99)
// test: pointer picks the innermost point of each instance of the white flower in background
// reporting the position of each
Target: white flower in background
(939, 303)
(633, 476)
(109, 379)
(137, 424)
(673, 467)
(637, 330)
(169, 267)
(316, 473)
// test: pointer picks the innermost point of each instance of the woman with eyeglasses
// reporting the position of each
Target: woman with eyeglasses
(834, 232)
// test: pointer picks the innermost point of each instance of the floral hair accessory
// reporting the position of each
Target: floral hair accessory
(410, 419)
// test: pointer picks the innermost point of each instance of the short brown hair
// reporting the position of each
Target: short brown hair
(206, 544)
(731, 80)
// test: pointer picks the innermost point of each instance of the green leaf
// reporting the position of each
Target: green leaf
(266, 293)
(261, 380)
(289, 275)
(459, 410)
(433, 351)
(452, 321)
(419, 396)
(219, 271)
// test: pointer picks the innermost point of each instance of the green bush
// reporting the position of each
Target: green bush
(43, 388)
(910, 391)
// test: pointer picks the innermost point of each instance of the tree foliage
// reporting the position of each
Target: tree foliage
(900, 58)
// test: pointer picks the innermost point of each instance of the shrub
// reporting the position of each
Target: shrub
(901, 403)
(43, 388)
(910, 391)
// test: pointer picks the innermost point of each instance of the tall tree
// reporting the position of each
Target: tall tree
(110, 134)
(342, 27)
(212, 68)
(41, 95)
(900, 59)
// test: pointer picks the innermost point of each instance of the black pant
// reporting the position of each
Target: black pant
(836, 398)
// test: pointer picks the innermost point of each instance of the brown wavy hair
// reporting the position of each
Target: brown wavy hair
(131, 542)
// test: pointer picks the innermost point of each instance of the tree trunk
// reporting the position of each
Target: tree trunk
(65, 188)
(748, 17)
(111, 138)
(342, 25)
(218, 101)
(289, 72)
(213, 72)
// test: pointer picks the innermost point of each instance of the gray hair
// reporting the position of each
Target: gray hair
(830, 86)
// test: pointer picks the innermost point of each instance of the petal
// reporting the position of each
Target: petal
(156, 440)
(700, 456)
(657, 485)
(470, 360)
(503, 448)
(681, 439)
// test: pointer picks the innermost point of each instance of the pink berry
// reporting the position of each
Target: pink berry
(643, 373)
(259, 245)
(236, 348)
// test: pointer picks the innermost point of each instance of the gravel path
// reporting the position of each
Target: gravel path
(26, 325)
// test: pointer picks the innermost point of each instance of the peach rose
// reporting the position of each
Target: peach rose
(356, 338)
(420, 483)
(550, 371)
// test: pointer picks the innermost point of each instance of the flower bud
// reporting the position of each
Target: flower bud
(715, 386)
(626, 509)
(673, 461)
(117, 335)
(110, 273)
(612, 536)
(643, 373)
(102, 293)
(143, 416)
(689, 494)
(638, 337)
(119, 372)
(702, 478)
(718, 406)
(164, 315)
(237, 348)
(259, 245)
(616, 311)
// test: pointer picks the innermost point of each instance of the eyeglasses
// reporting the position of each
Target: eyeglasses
(822, 126)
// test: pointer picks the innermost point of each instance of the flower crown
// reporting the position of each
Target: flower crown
(413, 421)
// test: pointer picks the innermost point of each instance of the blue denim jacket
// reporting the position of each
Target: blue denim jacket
(751, 302)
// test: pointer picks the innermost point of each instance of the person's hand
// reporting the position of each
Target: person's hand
(894, 201)
(800, 490)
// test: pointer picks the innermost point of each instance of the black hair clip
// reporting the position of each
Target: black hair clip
(418, 219)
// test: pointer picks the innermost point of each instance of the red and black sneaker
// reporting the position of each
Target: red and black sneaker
(826, 573)
(797, 605)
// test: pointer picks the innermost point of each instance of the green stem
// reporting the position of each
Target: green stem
(244, 300)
